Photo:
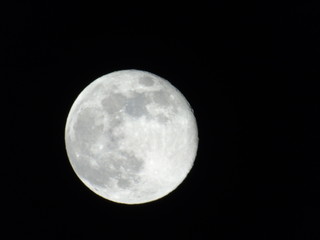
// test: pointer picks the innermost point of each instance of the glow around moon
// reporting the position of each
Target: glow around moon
(131, 137)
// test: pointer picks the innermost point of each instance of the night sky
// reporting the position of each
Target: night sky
(251, 73)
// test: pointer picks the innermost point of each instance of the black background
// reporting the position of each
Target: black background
(249, 70)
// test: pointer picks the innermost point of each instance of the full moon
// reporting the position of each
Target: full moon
(131, 137)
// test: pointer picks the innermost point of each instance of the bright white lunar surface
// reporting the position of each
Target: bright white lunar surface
(131, 137)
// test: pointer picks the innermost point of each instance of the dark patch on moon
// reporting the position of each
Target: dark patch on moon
(85, 128)
(162, 98)
(123, 183)
(123, 168)
(136, 106)
(114, 103)
(85, 170)
(126, 162)
(162, 118)
(146, 81)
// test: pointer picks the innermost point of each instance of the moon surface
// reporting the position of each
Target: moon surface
(131, 137)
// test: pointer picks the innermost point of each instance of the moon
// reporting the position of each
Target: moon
(131, 137)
